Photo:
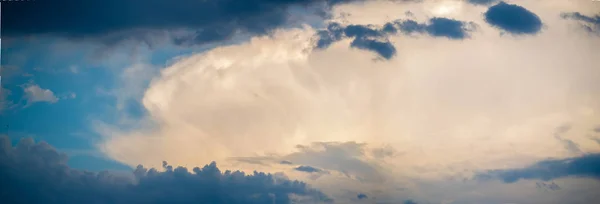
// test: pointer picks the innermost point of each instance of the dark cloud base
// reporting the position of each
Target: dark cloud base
(513, 18)
(112, 21)
(587, 166)
(37, 173)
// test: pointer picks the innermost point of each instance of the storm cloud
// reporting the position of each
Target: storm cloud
(37, 173)
(116, 20)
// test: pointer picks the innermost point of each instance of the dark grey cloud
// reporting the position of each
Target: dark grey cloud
(584, 166)
(285, 162)
(547, 186)
(366, 37)
(436, 27)
(513, 18)
(589, 23)
(37, 173)
(370, 37)
(308, 169)
(361, 196)
(483, 2)
(333, 33)
(410, 202)
(117, 20)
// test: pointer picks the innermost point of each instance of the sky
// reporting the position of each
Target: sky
(300, 101)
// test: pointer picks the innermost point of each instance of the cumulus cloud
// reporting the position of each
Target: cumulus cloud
(115, 20)
(445, 108)
(590, 23)
(583, 166)
(33, 93)
(513, 18)
(37, 173)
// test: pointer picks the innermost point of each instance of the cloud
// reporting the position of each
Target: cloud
(114, 20)
(483, 2)
(547, 186)
(347, 158)
(308, 169)
(369, 37)
(583, 166)
(277, 88)
(410, 202)
(5, 103)
(590, 23)
(448, 108)
(40, 164)
(436, 27)
(513, 18)
(361, 196)
(569, 144)
(365, 37)
(33, 93)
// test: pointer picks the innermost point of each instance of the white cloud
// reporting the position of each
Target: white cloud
(74, 69)
(33, 93)
(447, 107)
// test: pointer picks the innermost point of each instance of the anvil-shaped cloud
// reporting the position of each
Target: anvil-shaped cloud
(441, 108)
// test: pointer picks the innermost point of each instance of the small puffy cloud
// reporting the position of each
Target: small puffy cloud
(547, 186)
(34, 93)
(513, 18)
(590, 23)
(582, 166)
(55, 182)
(308, 169)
